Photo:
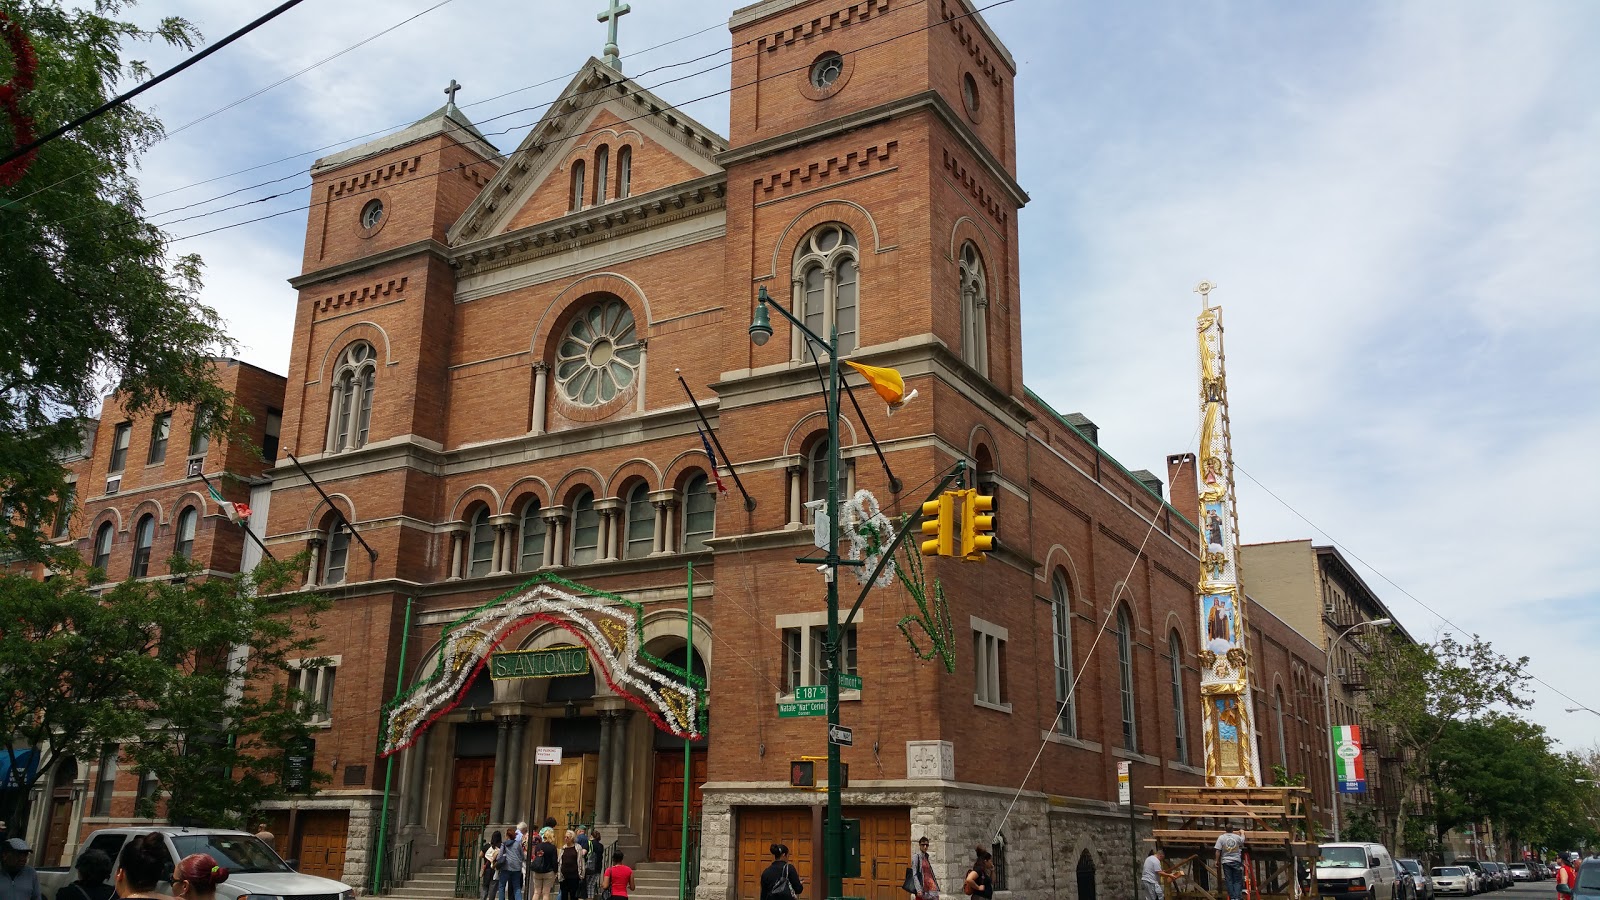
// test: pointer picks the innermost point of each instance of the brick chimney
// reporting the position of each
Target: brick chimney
(1185, 490)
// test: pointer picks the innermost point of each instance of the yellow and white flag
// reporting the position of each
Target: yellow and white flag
(887, 382)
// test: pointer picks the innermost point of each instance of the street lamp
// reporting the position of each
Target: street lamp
(1327, 710)
(760, 333)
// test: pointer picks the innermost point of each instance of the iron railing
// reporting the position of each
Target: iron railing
(469, 862)
(694, 858)
(396, 866)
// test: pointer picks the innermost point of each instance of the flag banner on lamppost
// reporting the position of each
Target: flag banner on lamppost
(1349, 767)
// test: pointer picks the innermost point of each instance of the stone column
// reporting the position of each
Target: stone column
(497, 801)
(619, 770)
(610, 510)
(669, 521)
(638, 397)
(416, 767)
(797, 303)
(314, 569)
(555, 550)
(504, 529)
(796, 476)
(458, 534)
(602, 781)
(663, 501)
(516, 804)
(541, 394)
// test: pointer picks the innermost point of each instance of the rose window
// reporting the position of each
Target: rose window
(598, 357)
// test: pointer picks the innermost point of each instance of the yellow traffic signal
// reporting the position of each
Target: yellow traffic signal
(977, 527)
(940, 524)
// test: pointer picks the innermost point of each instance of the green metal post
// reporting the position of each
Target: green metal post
(688, 756)
(388, 771)
(833, 830)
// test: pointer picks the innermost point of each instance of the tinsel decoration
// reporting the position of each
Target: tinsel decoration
(932, 616)
(610, 627)
(869, 531)
(25, 65)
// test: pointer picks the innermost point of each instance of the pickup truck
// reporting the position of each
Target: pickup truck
(255, 871)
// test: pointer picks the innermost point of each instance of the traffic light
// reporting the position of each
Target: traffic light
(802, 773)
(977, 525)
(940, 524)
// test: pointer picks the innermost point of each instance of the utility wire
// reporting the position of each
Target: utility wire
(508, 158)
(1353, 555)
(119, 100)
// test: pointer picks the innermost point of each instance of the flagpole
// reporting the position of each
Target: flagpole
(749, 501)
(242, 523)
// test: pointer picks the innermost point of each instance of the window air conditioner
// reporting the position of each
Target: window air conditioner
(113, 484)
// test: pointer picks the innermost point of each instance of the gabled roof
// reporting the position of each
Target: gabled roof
(447, 119)
(595, 84)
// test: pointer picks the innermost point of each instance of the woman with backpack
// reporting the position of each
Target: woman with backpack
(492, 864)
(593, 864)
(780, 881)
(980, 878)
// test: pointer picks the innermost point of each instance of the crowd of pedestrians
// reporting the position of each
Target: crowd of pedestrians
(527, 865)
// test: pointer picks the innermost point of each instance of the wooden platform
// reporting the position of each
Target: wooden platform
(1186, 822)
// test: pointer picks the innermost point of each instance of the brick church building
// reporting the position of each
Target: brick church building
(484, 385)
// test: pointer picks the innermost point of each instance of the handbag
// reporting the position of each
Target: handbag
(910, 884)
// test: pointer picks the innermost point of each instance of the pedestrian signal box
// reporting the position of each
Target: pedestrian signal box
(802, 773)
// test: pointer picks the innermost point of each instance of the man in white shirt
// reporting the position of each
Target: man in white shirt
(1230, 859)
(1154, 871)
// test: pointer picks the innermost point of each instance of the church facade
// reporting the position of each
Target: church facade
(491, 372)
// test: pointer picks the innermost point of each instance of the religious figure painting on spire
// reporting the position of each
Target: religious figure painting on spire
(1231, 756)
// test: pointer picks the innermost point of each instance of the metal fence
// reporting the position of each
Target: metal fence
(396, 866)
(694, 858)
(469, 862)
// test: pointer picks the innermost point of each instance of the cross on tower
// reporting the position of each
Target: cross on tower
(614, 12)
(451, 91)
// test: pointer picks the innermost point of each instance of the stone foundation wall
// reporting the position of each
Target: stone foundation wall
(1044, 837)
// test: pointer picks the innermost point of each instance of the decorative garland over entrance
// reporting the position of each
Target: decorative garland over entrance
(609, 626)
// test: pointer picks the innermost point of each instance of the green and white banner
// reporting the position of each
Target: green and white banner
(1349, 765)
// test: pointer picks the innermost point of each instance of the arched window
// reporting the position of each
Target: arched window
(1130, 728)
(184, 546)
(602, 166)
(102, 546)
(817, 471)
(482, 559)
(1283, 746)
(144, 535)
(826, 273)
(699, 513)
(974, 310)
(1061, 629)
(585, 529)
(577, 184)
(599, 355)
(350, 412)
(641, 523)
(533, 531)
(624, 171)
(1180, 722)
(338, 553)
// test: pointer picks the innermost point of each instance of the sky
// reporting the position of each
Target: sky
(1398, 201)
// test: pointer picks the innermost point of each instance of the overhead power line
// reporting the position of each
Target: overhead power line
(119, 100)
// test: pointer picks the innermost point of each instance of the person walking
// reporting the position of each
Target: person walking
(491, 866)
(510, 873)
(18, 880)
(141, 865)
(593, 864)
(94, 878)
(980, 878)
(922, 872)
(263, 834)
(1230, 859)
(196, 877)
(1566, 878)
(571, 867)
(543, 860)
(1150, 887)
(618, 879)
(780, 881)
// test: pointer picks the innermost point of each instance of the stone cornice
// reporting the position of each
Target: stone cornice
(429, 246)
(894, 109)
(613, 219)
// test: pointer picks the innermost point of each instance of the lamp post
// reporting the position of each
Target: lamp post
(760, 332)
(1327, 710)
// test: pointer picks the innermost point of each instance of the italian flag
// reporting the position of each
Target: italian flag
(236, 512)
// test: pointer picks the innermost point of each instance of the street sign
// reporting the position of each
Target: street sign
(838, 734)
(298, 759)
(798, 708)
(547, 756)
(811, 692)
(1124, 789)
(849, 682)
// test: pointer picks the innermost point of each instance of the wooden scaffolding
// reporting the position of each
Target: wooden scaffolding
(1279, 853)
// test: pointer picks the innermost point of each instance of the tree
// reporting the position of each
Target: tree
(1420, 691)
(88, 296)
(161, 669)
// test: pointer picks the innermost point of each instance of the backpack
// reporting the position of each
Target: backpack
(542, 863)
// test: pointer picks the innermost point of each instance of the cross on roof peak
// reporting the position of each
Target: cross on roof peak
(450, 92)
(613, 12)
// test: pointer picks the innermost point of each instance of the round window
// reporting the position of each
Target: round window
(598, 357)
(826, 70)
(372, 214)
(969, 93)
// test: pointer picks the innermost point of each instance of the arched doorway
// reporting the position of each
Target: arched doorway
(59, 824)
(1086, 890)
(666, 804)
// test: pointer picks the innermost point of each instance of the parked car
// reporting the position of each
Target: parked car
(1421, 884)
(1588, 886)
(1348, 868)
(1482, 880)
(1453, 880)
(1403, 889)
(254, 868)
(1502, 878)
(1520, 872)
